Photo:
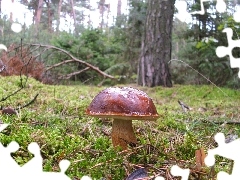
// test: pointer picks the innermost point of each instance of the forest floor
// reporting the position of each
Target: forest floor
(56, 120)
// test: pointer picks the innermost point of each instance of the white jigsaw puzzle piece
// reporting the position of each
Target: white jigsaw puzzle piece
(34, 165)
(3, 126)
(182, 14)
(10, 169)
(220, 6)
(228, 150)
(32, 169)
(86, 178)
(202, 11)
(236, 15)
(6, 159)
(177, 171)
(7, 162)
(222, 51)
(159, 178)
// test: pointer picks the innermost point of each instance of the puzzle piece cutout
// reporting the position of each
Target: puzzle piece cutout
(177, 171)
(236, 15)
(183, 14)
(35, 164)
(32, 169)
(16, 27)
(86, 178)
(7, 160)
(220, 7)
(228, 150)
(3, 126)
(159, 178)
(222, 51)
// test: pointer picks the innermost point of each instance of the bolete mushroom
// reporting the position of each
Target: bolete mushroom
(123, 104)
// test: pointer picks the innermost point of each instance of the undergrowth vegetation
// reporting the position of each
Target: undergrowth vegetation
(57, 122)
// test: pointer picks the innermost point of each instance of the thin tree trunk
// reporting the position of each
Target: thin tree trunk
(59, 14)
(119, 7)
(0, 8)
(156, 44)
(11, 13)
(38, 12)
(73, 13)
(108, 11)
(101, 11)
(37, 18)
(89, 15)
(50, 16)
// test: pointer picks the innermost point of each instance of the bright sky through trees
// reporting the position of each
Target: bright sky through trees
(22, 15)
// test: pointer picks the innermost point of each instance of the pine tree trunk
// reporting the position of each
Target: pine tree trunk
(73, 14)
(59, 14)
(119, 7)
(11, 13)
(37, 18)
(50, 16)
(38, 12)
(0, 8)
(101, 7)
(156, 47)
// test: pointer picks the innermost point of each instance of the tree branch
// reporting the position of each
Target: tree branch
(75, 59)
(59, 64)
(15, 92)
(30, 102)
(73, 74)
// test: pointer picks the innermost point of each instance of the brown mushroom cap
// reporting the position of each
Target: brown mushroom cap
(123, 103)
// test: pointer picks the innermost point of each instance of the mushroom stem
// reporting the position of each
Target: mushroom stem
(122, 133)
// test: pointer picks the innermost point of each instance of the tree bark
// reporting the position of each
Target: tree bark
(156, 47)
(50, 16)
(0, 8)
(119, 7)
(11, 13)
(37, 18)
(59, 14)
(73, 14)
(38, 12)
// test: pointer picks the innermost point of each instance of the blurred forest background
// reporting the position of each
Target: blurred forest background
(114, 49)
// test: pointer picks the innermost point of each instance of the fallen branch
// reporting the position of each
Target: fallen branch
(222, 122)
(15, 92)
(184, 107)
(59, 64)
(229, 122)
(30, 102)
(76, 60)
(73, 74)
(11, 111)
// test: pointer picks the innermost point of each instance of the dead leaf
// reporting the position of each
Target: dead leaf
(200, 156)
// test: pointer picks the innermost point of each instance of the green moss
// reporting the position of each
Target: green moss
(57, 122)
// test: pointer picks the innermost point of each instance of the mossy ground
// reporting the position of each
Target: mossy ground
(57, 122)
